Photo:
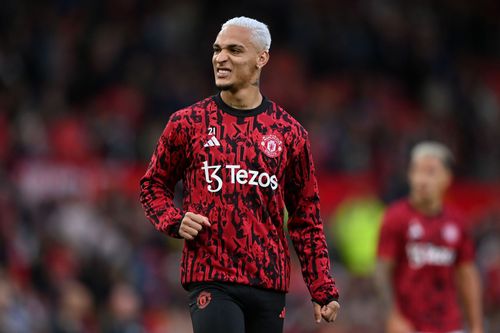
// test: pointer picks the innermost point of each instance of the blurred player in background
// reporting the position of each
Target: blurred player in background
(242, 159)
(425, 254)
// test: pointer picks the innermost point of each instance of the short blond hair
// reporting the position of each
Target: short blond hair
(261, 37)
(435, 149)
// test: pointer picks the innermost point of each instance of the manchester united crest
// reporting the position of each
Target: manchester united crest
(203, 299)
(271, 145)
(415, 229)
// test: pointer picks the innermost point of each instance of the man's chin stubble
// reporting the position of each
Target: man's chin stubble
(224, 87)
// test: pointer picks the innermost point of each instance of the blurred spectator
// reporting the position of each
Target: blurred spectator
(75, 310)
(124, 314)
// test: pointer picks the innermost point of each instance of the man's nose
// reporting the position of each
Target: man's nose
(221, 56)
(422, 182)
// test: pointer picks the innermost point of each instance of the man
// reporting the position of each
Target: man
(425, 253)
(242, 159)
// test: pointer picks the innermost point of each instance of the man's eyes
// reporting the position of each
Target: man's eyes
(231, 50)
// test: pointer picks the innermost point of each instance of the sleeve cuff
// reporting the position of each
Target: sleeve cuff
(327, 301)
(177, 226)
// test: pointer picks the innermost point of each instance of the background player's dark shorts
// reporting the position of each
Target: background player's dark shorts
(233, 308)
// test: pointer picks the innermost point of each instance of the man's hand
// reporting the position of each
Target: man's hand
(192, 224)
(396, 323)
(327, 312)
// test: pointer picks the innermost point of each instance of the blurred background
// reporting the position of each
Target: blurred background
(86, 88)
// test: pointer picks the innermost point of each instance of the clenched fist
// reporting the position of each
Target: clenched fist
(327, 312)
(192, 224)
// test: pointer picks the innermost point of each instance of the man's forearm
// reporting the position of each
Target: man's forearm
(312, 252)
(383, 280)
(157, 201)
(470, 290)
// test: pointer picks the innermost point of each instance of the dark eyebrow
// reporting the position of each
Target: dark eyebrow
(230, 46)
(235, 46)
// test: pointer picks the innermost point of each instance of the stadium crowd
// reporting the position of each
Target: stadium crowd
(87, 86)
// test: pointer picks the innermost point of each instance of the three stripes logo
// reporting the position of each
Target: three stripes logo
(212, 142)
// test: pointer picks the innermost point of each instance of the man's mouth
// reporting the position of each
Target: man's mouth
(223, 72)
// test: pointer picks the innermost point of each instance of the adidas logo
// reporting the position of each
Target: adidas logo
(283, 313)
(212, 142)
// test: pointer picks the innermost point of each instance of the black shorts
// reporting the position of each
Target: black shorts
(232, 308)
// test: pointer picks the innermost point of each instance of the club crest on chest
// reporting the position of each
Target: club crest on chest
(415, 229)
(271, 145)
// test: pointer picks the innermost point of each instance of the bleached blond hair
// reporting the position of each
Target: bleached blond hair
(261, 37)
(435, 149)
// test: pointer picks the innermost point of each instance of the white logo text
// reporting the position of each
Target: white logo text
(237, 175)
(421, 254)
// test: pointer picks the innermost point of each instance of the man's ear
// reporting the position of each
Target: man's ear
(262, 59)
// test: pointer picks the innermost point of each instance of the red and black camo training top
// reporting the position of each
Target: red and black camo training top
(240, 168)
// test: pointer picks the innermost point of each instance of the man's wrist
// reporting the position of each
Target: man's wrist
(177, 227)
(327, 301)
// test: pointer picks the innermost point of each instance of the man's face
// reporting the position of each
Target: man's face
(236, 60)
(428, 178)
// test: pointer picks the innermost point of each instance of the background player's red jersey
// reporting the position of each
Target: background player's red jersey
(239, 168)
(425, 250)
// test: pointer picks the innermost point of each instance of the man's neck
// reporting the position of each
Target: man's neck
(429, 208)
(248, 98)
